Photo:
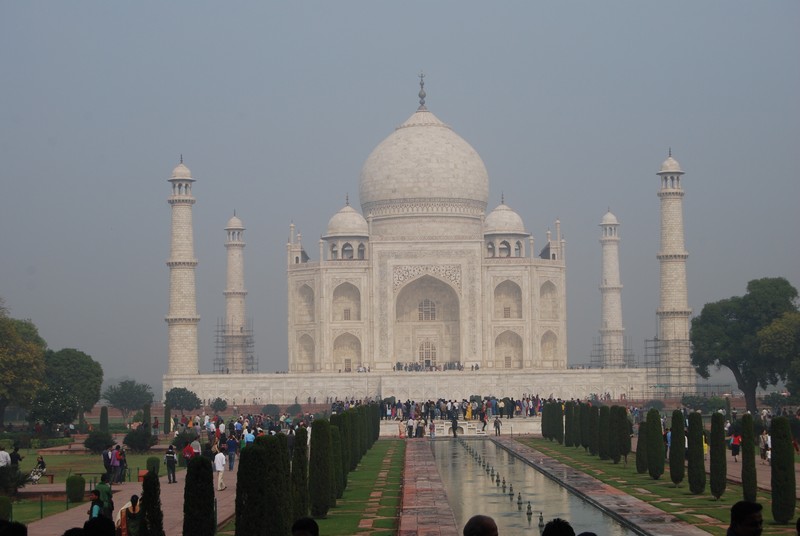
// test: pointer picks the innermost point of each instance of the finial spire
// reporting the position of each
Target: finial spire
(670, 151)
(181, 158)
(502, 198)
(347, 199)
(422, 91)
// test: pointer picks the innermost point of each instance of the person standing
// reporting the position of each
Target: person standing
(497, 425)
(219, 467)
(5, 457)
(762, 445)
(454, 422)
(736, 445)
(115, 464)
(231, 446)
(171, 461)
(106, 497)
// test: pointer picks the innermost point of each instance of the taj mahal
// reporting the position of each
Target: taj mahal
(426, 293)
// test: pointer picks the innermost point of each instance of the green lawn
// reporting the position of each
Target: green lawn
(700, 510)
(371, 503)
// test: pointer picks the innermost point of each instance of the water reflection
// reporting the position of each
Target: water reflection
(474, 471)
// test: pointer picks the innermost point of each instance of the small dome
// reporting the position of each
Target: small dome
(234, 223)
(503, 220)
(181, 172)
(670, 165)
(609, 219)
(347, 222)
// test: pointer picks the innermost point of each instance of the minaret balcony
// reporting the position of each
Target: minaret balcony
(673, 256)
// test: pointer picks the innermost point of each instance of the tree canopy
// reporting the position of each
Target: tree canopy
(76, 371)
(726, 334)
(54, 404)
(127, 396)
(780, 340)
(21, 362)
(183, 399)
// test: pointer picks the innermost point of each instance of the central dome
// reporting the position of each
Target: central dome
(425, 164)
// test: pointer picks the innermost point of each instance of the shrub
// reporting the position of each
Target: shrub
(251, 501)
(319, 471)
(641, 449)
(783, 476)
(198, 498)
(219, 405)
(749, 479)
(153, 463)
(147, 420)
(300, 503)
(677, 451)
(140, 440)
(271, 409)
(5, 508)
(167, 418)
(104, 419)
(97, 441)
(11, 479)
(655, 445)
(152, 519)
(717, 452)
(75, 488)
(696, 462)
(294, 410)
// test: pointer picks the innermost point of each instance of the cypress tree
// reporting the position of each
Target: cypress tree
(300, 504)
(347, 444)
(783, 477)
(615, 426)
(355, 439)
(624, 434)
(558, 422)
(719, 465)
(364, 436)
(546, 421)
(696, 462)
(677, 452)
(152, 517)
(594, 437)
(147, 421)
(198, 498)
(103, 419)
(319, 469)
(277, 483)
(576, 424)
(655, 445)
(337, 489)
(568, 414)
(749, 479)
(585, 435)
(604, 433)
(251, 501)
(641, 449)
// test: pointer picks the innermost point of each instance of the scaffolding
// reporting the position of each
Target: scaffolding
(235, 349)
(672, 372)
(597, 360)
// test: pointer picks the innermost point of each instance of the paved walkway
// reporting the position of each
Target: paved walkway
(425, 510)
(171, 504)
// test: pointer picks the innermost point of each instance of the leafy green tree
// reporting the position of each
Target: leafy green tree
(127, 396)
(641, 449)
(219, 405)
(54, 404)
(251, 498)
(78, 372)
(677, 453)
(21, 362)
(152, 517)
(780, 340)
(319, 471)
(696, 466)
(726, 335)
(300, 501)
(749, 479)
(717, 452)
(198, 498)
(183, 399)
(783, 473)
(655, 445)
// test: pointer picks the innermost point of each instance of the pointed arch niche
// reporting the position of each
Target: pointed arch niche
(346, 353)
(548, 301)
(427, 311)
(507, 300)
(305, 305)
(346, 303)
(305, 354)
(549, 348)
(508, 351)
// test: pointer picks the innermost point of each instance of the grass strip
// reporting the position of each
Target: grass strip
(702, 511)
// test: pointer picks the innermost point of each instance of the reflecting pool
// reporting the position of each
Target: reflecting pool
(474, 473)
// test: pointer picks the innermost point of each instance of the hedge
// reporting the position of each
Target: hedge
(749, 478)
(677, 451)
(75, 487)
(783, 475)
(319, 471)
(198, 498)
(655, 445)
(717, 453)
(696, 465)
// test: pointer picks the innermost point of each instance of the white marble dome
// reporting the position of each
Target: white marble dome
(670, 165)
(503, 220)
(234, 223)
(347, 222)
(609, 219)
(423, 160)
(181, 172)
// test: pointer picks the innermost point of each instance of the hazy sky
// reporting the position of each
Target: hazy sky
(276, 105)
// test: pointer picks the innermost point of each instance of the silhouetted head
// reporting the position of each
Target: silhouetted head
(480, 525)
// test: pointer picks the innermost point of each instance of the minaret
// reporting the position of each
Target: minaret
(673, 312)
(235, 330)
(611, 333)
(182, 318)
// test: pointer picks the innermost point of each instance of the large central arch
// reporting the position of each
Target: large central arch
(427, 316)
